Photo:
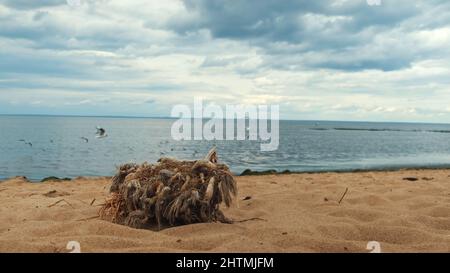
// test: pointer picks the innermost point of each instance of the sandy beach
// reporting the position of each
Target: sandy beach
(274, 213)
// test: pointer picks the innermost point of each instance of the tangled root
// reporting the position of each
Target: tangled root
(113, 208)
(170, 193)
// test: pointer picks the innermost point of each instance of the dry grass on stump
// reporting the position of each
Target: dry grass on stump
(170, 193)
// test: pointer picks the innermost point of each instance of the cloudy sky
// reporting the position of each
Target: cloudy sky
(332, 60)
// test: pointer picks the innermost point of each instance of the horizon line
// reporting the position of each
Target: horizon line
(166, 117)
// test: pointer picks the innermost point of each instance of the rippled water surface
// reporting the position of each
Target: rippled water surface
(58, 150)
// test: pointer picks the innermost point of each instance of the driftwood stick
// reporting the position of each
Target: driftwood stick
(59, 201)
(342, 198)
(251, 219)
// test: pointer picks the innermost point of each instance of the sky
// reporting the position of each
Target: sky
(317, 60)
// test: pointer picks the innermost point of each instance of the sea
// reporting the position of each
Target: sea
(44, 146)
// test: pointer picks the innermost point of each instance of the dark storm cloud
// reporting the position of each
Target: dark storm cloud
(246, 19)
(310, 26)
(284, 20)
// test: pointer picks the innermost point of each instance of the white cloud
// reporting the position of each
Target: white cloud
(141, 57)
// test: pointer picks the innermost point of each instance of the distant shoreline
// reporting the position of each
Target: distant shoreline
(174, 118)
(388, 169)
(81, 116)
(250, 172)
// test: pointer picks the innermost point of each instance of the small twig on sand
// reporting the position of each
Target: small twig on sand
(59, 201)
(92, 202)
(342, 198)
(90, 218)
(86, 203)
(250, 219)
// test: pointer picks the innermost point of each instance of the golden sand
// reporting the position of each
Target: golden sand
(282, 213)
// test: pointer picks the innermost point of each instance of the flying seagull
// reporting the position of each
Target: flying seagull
(101, 133)
(27, 143)
(85, 139)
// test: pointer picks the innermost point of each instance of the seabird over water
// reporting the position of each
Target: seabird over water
(101, 133)
(27, 143)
